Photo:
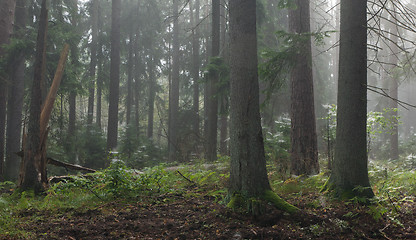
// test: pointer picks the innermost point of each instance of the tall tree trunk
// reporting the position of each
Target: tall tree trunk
(7, 8)
(350, 168)
(114, 76)
(212, 121)
(304, 146)
(15, 100)
(248, 164)
(394, 87)
(73, 93)
(174, 91)
(93, 62)
(129, 77)
(29, 177)
(195, 62)
(100, 69)
(152, 95)
(224, 100)
(248, 176)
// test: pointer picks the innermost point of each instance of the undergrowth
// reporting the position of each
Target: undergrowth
(394, 186)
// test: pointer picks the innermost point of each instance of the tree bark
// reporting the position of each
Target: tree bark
(114, 76)
(212, 121)
(93, 61)
(174, 90)
(7, 9)
(304, 146)
(100, 68)
(248, 164)
(194, 20)
(129, 77)
(29, 177)
(152, 95)
(15, 99)
(350, 168)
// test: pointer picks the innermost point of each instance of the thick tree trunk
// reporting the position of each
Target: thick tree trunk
(304, 147)
(174, 90)
(350, 168)
(248, 164)
(15, 100)
(114, 76)
(7, 8)
(212, 121)
(93, 62)
(248, 177)
(29, 177)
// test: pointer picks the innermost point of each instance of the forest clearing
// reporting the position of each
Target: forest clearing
(207, 119)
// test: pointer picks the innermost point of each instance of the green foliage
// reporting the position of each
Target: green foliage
(287, 4)
(278, 65)
(92, 147)
(277, 145)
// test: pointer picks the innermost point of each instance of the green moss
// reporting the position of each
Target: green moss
(236, 201)
(278, 202)
(256, 206)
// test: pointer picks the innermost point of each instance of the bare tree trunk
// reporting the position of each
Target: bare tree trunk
(93, 62)
(129, 77)
(15, 100)
(350, 166)
(7, 8)
(195, 60)
(114, 76)
(100, 72)
(174, 91)
(394, 87)
(304, 146)
(212, 121)
(151, 100)
(29, 177)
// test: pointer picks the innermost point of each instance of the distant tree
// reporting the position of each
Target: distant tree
(174, 87)
(7, 9)
(194, 20)
(304, 147)
(248, 178)
(93, 60)
(212, 121)
(349, 176)
(15, 98)
(114, 76)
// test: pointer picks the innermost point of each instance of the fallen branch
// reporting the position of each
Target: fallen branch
(68, 165)
(186, 178)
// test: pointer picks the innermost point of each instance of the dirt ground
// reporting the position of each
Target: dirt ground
(200, 217)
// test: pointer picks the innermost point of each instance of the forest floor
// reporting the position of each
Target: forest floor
(190, 206)
(199, 216)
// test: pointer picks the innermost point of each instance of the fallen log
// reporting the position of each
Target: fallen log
(57, 163)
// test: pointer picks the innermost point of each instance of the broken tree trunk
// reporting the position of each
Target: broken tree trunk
(33, 168)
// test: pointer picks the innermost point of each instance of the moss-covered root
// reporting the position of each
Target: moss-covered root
(278, 202)
(237, 201)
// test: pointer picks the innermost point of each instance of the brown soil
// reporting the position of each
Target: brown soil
(200, 217)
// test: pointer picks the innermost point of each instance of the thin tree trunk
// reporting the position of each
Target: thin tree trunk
(304, 146)
(15, 100)
(7, 9)
(100, 70)
(93, 63)
(195, 60)
(174, 93)
(129, 77)
(394, 88)
(211, 138)
(114, 76)
(151, 100)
